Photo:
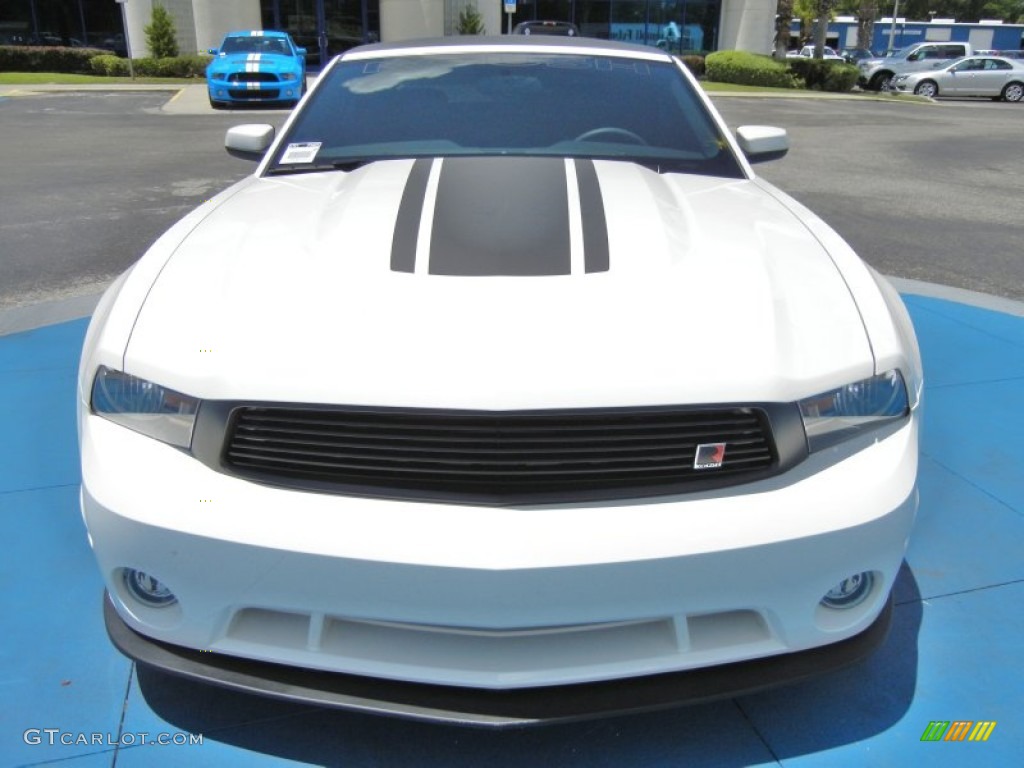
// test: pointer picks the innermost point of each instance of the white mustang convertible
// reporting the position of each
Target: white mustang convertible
(503, 391)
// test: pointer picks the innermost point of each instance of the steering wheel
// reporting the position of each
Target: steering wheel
(612, 132)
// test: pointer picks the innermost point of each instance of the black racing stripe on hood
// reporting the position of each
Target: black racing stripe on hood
(410, 210)
(595, 227)
(501, 216)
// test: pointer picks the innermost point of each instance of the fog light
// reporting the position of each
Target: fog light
(851, 591)
(148, 590)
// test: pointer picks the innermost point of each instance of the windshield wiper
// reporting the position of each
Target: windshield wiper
(338, 165)
(352, 164)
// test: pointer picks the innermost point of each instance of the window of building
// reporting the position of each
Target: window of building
(678, 26)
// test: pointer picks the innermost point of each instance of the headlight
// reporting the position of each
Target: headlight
(289, 76)
(146, 407)
(841, 413)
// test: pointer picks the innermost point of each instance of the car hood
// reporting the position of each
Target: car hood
(500, 285)
(263, 62)
(872, 63)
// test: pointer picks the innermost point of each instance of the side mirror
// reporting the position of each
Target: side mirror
(761, 143)
(249, 142)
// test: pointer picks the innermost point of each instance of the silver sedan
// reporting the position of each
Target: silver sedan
(994, 76)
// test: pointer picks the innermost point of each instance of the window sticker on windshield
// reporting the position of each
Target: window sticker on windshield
(300, 153)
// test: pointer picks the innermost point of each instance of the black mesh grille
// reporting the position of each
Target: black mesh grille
(255, 95)
(465, 454)
(252, 77)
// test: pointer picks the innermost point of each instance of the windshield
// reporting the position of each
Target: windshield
(255, 44)
(506, 103)
(902, 53)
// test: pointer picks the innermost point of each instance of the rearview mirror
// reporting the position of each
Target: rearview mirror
(249, 141)
(761, 143)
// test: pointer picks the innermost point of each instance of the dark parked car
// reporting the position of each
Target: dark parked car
(560, 28)
(853, 55)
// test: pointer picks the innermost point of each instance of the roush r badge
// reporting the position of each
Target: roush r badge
(709, 456)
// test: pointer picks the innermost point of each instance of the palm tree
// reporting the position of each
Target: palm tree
(866, 14)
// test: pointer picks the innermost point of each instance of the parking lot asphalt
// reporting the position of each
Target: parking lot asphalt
(922, 191)
(190, 99)
(953, 653)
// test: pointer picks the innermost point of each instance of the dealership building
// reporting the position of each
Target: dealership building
(332, 26)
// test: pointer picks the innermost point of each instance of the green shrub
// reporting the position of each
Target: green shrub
(96, 61)
(179, 66)
(744, 68)
(194, 65)
(841, 77)
(110, 65)
(40, 58)
(694, 63)
(822, 75)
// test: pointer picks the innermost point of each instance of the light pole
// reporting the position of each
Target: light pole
(892, 27)
(35, 19)
(127, 42)
(81, 19)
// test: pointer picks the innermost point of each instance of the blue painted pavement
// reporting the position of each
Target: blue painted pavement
(954, 652)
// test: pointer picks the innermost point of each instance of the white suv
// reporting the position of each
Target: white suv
(877, 74)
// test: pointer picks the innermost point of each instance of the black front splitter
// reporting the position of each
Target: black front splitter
(489, 708)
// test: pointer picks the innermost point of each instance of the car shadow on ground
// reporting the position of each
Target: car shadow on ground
(263, 106)
(814, 716)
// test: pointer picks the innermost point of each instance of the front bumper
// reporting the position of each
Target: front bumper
(492, 709)
(254, 92)
(498, 598)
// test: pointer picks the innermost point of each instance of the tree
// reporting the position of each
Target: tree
(824, 11)
(160, 35)
(866, 14)
(805, 10)
(470, 21)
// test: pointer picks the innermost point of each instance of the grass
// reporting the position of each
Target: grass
(874, 95)
(711, 87)
(61, 78)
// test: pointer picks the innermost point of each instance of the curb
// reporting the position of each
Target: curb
(958, 295)
(37, 88)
